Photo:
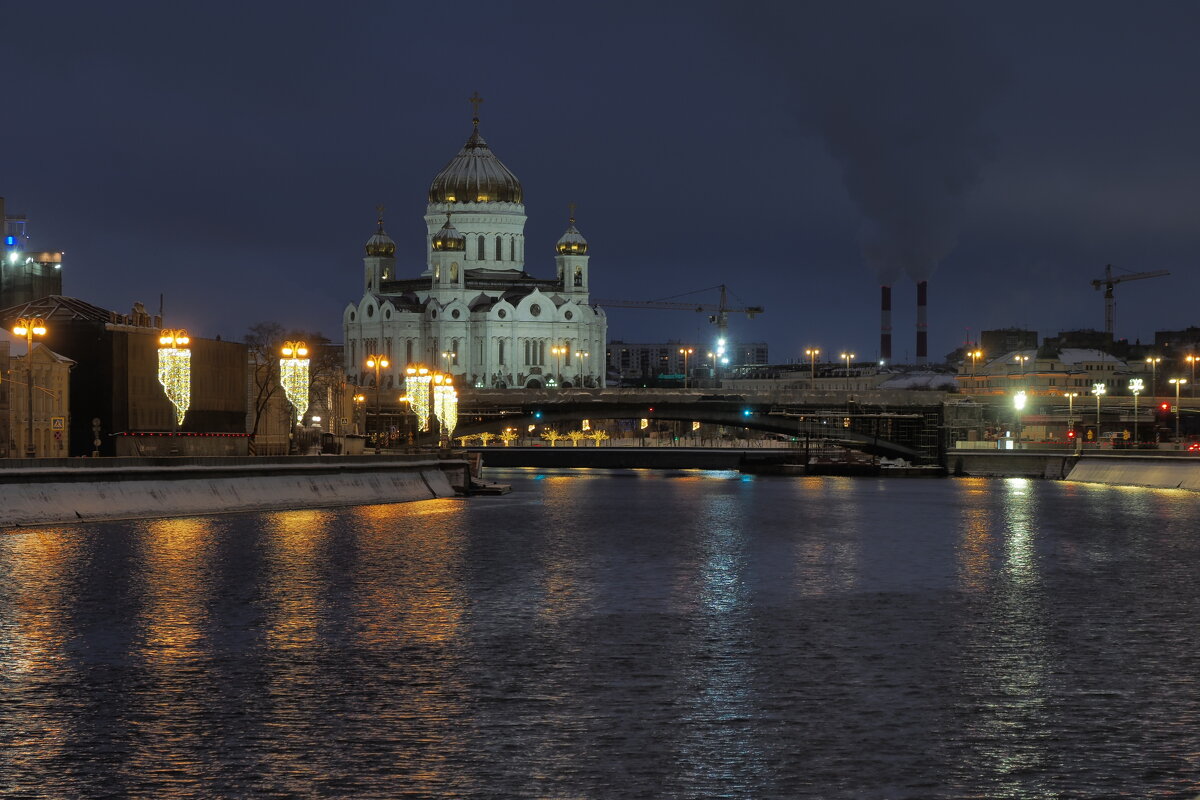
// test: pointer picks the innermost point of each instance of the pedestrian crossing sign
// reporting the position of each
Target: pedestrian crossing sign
(58, 423)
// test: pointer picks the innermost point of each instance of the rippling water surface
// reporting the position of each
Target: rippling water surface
(617, 635)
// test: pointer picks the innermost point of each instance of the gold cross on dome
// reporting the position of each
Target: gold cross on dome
(475, 101)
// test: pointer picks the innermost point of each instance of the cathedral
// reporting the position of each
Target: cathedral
(475, 312)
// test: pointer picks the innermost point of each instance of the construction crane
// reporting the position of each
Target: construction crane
(1108, 282)
(719, 313)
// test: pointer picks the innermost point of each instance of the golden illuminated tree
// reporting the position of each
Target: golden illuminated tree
(486, 437)
(575, 436)
(463, 440)
(509, 436)
(551, 436)
(598, 436)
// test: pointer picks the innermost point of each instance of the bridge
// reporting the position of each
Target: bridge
(896, 424)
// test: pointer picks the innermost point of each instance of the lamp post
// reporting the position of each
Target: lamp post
(1135, 388)
(29, 327)
(1019, 405)
(1022, 360)
(1178, 382)
(359, 400)
(1098, 389)
(408, 434)
(1071, 412)
(377, 361)
(448, 357)
(685, 352)
(581, 357)
(974, 355)
(847, 357)
(1192, 359)
(1154, 361)
(558, 351)
(812, 353)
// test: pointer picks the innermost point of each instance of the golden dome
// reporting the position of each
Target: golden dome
(572, 242)
(475, 175)
(448, 238)
(380, 245)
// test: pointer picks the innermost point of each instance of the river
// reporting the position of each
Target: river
(602, 634)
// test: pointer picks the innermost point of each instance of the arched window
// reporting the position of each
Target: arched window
(500, 353)
(512, 249)
(578, 277)
(408, 348)
(499, 249)
(454, 272)
(482, 254)
(454, 352)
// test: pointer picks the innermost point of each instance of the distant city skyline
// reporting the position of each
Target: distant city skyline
(799, 154)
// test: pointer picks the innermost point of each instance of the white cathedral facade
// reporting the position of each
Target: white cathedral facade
(475, 312)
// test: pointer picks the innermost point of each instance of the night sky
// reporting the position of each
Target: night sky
(230, 156)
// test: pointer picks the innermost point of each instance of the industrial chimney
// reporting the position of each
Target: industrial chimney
(922, 326)
(885, 324)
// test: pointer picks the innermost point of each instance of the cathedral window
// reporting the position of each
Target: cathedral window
(500, 353)
(408, 352)
(482, 245)
(512, 249)
(528, 352)
(454, 272)
(499, 249)
(578, 277)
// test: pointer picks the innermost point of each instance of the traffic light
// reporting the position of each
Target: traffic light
(1071, 435)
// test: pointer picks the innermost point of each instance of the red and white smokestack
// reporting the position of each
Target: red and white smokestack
(885, 324)
(922, 326)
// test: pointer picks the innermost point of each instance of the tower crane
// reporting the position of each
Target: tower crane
(1108, 282)
(718, 313)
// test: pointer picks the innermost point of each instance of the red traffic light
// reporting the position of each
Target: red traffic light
(1070, 434)
(1164, 406)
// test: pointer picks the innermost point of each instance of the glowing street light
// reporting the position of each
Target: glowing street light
(1192, 361)
(359, 400)
(812, 353)
(377, 361)
(175, 371)
(1135, 388)
(1071, 411)
(1154, 361)
(1019, 406)
(29, 327)
(448, 356)
(685, 352)
(558, 351)
(847, 356)
(1098, 389)
(1178, 382)
(581, 357)
(1022, 360)
(974, 355)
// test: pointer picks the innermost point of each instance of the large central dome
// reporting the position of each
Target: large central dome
(475, 175)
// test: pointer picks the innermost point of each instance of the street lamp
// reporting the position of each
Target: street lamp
(847, 356)
(558, 351)
(1135, 388)
(407, 401)
(359, 401)
(449, 356)
(1178, 382)
(581, 357)
(1154, 361)
(974, 355)
(1022, 360)
(1098, 389)
(685, 352)
(812, 353)
(377, 361)
(29, 327)
(1192, 360)
(1019, 405)
(1071, 410)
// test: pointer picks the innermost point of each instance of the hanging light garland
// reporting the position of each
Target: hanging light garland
(416, 386)
(175, 370)
(293, 375)
(445, 403)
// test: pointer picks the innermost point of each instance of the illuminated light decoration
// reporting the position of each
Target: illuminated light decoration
(416, 386)
(695, 425)
(643, 423)
(445, 403)
(587, 425)
(175, 370)
(293, 376)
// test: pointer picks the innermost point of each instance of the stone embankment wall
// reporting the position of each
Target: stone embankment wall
(54, 491)
(1159, 472)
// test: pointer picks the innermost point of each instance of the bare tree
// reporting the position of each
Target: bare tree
(263, 343)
